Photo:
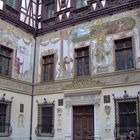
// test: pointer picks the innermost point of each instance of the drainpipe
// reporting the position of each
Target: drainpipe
(34, 65)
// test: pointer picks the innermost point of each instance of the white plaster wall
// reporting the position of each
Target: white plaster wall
(107, 122)
(58, 134)
(20, 131)
(104, 124)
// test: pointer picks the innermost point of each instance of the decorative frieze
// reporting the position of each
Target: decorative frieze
(13, 85)
(84, 83)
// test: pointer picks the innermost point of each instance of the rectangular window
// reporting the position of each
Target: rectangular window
(45, 120)
(5, 60)
(124, 54)
(12, 3)
(127, 116)
(5, 111)
(2, 118)
(82, 61)
(48, 67)
(80, 3)
(49, 8)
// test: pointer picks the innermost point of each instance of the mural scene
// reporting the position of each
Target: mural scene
(99, 35)
(22, 45)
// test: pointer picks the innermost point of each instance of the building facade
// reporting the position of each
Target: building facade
(69, 69)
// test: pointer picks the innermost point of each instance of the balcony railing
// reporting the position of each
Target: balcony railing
(5, 130)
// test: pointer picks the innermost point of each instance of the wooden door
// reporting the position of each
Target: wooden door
(83, 123)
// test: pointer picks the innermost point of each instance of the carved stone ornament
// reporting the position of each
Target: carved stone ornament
(84, 83)
(21, 120)
(59, 111)
(107, 109)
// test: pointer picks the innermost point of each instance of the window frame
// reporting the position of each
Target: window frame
(39, 132)
(7, 119)
(117, 113)
(10, 59)
(44, 8)
(133, 53)
(42, 69)
(75, 63)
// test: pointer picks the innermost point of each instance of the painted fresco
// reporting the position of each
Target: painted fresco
(22, 63)
(95, 31)
(99, 35)
(60, 46)
(21, 43)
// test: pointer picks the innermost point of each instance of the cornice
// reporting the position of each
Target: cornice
(98, 82)
(14, 85)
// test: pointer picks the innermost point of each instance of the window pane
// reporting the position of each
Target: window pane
(82, 58)
(86, 66)
(50, 7)
(48, 2)
(0, 65)
(12, 3)
(79, 53)
(51, 72)
(78, 4)
(47, 119)
(8, 2)
(2, 117)
(86, 52)
(129, 59)
(79, 67)
(47, 110)
(51, 59)
(128, 43)
(48, 68)
(7, 52)
(45, 72)
(5, 59)
(127, 117)
(0, 50)
(118, 44)
(6, 67)
(119, 61)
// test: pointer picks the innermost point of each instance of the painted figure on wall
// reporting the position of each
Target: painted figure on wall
(64, 70)
(18, 65)
(96, 35)
(22, 55)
